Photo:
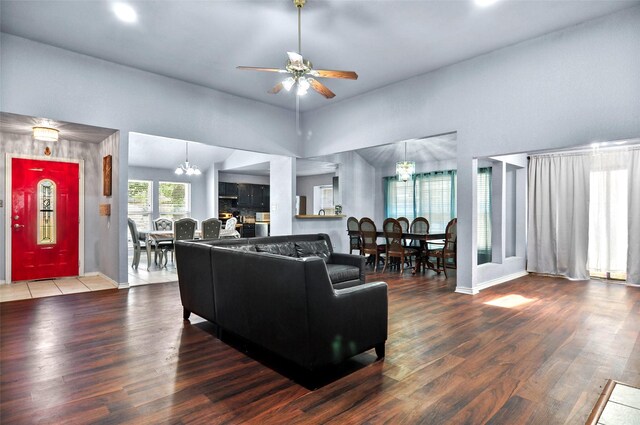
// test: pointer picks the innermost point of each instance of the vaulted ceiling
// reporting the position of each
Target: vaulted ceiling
(203, 41)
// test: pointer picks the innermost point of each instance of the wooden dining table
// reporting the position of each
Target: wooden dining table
(422, 238)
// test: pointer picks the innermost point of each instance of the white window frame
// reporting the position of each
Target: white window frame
(186, 212)
(150, 206)
(318, 199)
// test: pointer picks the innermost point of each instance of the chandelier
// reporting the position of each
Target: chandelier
(185, 167)
(46, 134)
(405, 169)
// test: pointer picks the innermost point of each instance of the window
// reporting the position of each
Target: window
(46, 212)
(140, 201)
(484, 215)
(174, 200)
(608, 232)
(433, 196)
(323, 198)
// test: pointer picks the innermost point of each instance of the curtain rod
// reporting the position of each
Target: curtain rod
(586, 151)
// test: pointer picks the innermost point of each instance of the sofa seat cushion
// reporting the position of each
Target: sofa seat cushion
(317, 248)
(280, 248)
(342, 273)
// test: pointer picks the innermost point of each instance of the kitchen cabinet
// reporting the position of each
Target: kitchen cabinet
(253, 196)
(227, 190)
(248, 230)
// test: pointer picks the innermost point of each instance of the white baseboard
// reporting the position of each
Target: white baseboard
(502, 279)
(466, 291)
(124, 285)
(484, 285)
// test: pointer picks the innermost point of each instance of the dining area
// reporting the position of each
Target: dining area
(159, 242)
(399, 242)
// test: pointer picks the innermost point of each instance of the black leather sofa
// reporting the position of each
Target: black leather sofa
(277, 292)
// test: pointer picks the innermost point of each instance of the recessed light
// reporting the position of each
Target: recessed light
(485, 3)
(125, 13)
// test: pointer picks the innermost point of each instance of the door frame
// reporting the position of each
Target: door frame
(8, 209)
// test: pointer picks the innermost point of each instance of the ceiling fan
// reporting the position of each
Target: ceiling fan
(301, 70)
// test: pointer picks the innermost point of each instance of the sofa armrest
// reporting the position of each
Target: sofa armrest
(349, 260)
(346, 321)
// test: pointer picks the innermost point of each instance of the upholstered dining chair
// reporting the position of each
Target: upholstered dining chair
(392, 230)
(162, 224)
(448, 251)
(229, 230)
(211, 228)
(369, 240)
(183, 229)
(139, 243)
(354, 238)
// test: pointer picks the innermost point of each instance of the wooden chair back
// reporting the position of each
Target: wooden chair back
(368, 235)
(393, 235)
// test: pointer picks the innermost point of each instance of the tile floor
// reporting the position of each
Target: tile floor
(53, 287)
(623, 407)
(155, 274)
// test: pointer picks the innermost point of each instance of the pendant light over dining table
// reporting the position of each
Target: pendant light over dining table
(405, 169)
(186, 167)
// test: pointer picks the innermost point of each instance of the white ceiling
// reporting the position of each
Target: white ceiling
(304, 167)
(21, 124)
(203, 41)
(165, 153)
(438, 148)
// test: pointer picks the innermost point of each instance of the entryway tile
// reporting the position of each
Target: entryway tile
(71, 286)
(97, 283)
(14, 291)
(43, 288)
(619, 414)
(624, 394)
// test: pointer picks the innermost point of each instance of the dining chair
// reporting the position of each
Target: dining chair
(420, 226)
(404, 222)
(162, 224)
(369, 238)
(354, 239)
(448, 250)
(392, 230)
(139, 243)
(229, 230)
(183, 230)
(211, 228)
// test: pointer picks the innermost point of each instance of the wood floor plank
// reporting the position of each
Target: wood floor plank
(126, 356)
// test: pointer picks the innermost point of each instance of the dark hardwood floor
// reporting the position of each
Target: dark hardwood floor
(126, 356)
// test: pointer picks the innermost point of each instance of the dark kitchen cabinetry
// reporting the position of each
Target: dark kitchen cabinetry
(248, 230)
(227, 190)
(253, 195)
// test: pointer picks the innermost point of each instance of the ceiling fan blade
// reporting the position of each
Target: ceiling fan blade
(276, 89)
(330, 73)
(321, 88)
(256, 68)
(295, 57)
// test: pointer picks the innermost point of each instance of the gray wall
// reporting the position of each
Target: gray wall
(198, 188)
(98, 245)
(82, 89)
(564, 89)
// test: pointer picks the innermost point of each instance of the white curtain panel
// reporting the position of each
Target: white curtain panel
(558, 225)
(633, 253)
(608, 209)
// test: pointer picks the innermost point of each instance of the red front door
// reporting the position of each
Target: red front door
(44, 219)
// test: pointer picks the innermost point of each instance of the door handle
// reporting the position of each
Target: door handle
(17, 226)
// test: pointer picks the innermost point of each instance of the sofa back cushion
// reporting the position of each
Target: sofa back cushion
(251, 248)
(287, 249)
(317, 248)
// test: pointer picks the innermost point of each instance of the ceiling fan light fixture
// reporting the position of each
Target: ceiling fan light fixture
(288, 83)
(303, 86)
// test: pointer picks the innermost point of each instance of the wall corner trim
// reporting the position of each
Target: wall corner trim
(466, 291)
